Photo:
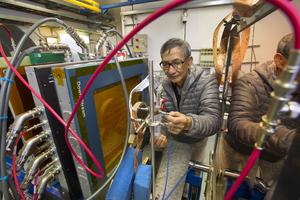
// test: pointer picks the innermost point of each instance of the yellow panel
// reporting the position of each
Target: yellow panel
(20, 98)
(112, 120)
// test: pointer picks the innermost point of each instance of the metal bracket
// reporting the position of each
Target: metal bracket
(262, 12)
(105, 8)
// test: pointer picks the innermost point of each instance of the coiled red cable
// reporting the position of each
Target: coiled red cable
(14, 169)
(294, 16)
(141, 25)
(145, 22)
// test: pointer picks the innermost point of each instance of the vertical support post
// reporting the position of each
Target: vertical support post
(151, 96)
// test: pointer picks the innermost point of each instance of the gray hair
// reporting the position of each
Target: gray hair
(176, 42)
(285, 45)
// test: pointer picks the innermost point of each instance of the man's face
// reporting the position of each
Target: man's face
(281, 63)
(175, 66)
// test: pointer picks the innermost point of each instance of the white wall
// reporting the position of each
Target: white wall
(269, 31)
(200, 27)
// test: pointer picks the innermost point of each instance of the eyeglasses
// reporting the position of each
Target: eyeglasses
(176, 64)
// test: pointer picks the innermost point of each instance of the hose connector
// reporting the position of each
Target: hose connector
(72, 32)
(28, 148)
(100, 44)
(46, 178)
(34, 166)
(18, 125)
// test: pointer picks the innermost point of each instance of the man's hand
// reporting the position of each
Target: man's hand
(161, 141)
(177, 122)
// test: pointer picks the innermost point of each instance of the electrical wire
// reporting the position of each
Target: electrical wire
(100, 175)
(4, 98)
(4, 101)
(4, 107)
(13, 45)
(167, 170)
(122, 80)
(125, 93)
(7, 30)
(119, 34)
(14, 169)
(252, 159)
(294, 16)
(177, 184)
(141, 25)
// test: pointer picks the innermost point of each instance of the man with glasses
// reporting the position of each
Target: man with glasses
(191, 100)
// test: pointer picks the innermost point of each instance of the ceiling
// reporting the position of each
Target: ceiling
(29, 11)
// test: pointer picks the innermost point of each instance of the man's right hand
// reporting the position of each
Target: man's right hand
(161, 141)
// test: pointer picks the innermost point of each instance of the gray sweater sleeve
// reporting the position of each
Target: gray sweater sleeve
(207, 121)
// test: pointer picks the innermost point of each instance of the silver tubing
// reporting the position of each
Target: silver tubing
(49, 166)
(47, 178)
(104, 37)
(37, 126)
(34, 165)
(100, 44)
(18, 125)
(228, 173)
(27, 149)
(79, 41)
(4, 99)
(283, 88)
(151, 128)
(5, 91)
(65, 48)
(201, 167)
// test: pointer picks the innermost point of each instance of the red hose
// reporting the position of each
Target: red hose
(145, 22)
(100, 175)
(7, 30)
(251, 161)
(141, 25)
(14, 170)
(294, 16)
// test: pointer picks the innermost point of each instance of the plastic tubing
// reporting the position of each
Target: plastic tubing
(119, 34)
(85, 5)
(3, 108)
(58, 118)
(294, 16)
(144, 23)
(251, 161)
(7, 30)
(4, 95)
(167, 170)
(100, 175)
(14, 168)
(13, 45)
